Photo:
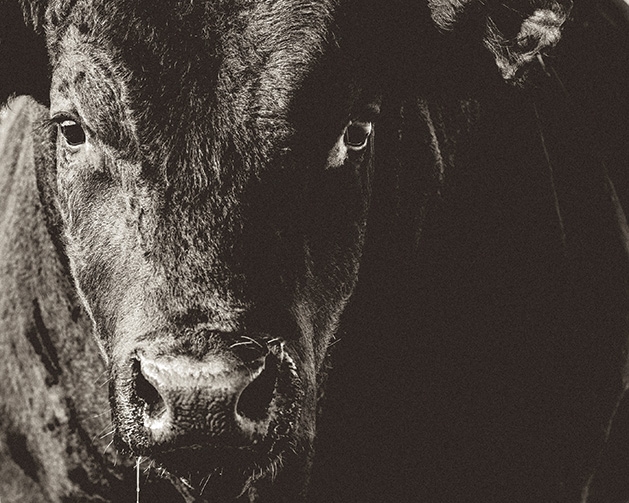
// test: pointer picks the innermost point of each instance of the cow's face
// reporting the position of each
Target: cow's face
(212, 179)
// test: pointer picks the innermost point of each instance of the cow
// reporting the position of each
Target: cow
(190, 192)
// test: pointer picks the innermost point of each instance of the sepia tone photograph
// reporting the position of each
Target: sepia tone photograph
(314, 251)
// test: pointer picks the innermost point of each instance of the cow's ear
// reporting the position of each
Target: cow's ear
(23, 58)
(516, 32)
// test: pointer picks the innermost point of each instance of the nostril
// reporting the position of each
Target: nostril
(147, 393)
(256, 398)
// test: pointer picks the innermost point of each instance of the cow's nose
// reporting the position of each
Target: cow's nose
(219, 400)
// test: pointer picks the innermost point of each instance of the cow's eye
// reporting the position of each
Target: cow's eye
(357, 134)
(72, 132)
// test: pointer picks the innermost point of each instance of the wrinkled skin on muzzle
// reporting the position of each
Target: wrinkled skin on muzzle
(211, 187)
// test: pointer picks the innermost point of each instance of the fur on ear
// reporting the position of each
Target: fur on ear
(23, 56)
(516, 32)
(539, 31)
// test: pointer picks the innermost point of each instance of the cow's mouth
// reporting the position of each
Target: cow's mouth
(215, 440)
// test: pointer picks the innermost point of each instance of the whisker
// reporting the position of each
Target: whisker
(105, 382)
(108, 446)
(107, 434)
(100, 376)
(241, 343)
(207, 479)
(100, 414)
(150, 465)
(101, 434)
(246, 341)
(252, 340)
(334, 342)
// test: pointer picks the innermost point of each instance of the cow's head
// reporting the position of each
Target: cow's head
(211, 180)
(210, 186)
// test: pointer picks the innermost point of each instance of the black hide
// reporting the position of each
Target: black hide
(483, 354)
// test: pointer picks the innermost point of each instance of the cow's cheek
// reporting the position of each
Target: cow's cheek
(100, 243)
(334, 238)
(334, 247)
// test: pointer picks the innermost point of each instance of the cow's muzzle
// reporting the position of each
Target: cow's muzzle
(218, 395)
(217, 400)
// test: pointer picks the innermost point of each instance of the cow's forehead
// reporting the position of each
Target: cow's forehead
(238, 60)
(177, 44)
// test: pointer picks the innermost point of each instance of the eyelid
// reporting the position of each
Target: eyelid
(62, 117)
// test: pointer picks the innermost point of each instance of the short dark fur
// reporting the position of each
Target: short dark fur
(212, 214)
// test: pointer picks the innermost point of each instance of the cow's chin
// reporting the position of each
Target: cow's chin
(226, 473)
(211, 467)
